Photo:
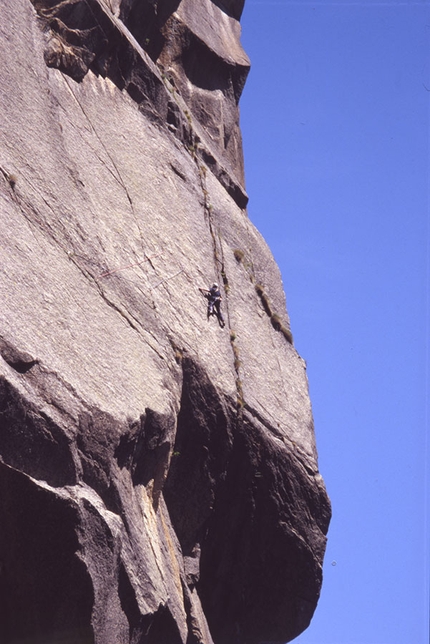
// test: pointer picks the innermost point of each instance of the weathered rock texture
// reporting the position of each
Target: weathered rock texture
(158, 474)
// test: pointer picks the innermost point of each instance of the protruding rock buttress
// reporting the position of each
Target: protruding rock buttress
(158, 474)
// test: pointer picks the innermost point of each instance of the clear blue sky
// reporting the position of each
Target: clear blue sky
(335, 119)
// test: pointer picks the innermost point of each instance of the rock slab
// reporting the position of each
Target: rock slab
(158, 473)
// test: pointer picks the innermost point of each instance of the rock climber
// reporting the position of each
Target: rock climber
(213, 296)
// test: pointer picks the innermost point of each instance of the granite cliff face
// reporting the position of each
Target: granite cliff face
(158, 474)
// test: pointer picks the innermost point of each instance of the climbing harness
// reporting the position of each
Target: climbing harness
(214, 304)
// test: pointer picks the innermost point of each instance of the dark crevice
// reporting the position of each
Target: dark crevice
(202, 446)
(21, 366)
(145, 450)
(19, 360)
(232, 8)
(145, 19)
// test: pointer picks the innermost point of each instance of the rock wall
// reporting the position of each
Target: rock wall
(158, 473)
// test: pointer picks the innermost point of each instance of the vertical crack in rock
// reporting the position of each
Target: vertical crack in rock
(171, 57)
(159, 480)
(200, 457)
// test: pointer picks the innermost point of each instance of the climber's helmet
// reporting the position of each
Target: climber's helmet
(214, 285)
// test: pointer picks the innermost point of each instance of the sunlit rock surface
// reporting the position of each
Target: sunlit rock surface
(158, 474)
